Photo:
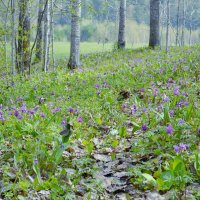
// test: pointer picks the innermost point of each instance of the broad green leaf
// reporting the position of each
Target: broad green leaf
(149, 178)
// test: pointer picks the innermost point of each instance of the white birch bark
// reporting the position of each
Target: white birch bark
(183, 26)
(13, 47)
(177, 25)
(52, 33)
(46, 37)
(168, 23)
(74, 60)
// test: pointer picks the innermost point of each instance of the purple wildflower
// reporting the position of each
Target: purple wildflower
(176, 91)
(176, 148)
(64, 123)
(79, 119)
(16, 113)
(50, 104)
(169, 129)
(199, 129)
(56, 110)
(182, 147)
(144, 127)
(32, 111)
(23, 109)
(42, 115)
(142, 90)
(36, 161)
(98, 92)
(133, 109)
(165, 99)
(71, 110)
(181, 121)
(97, 86)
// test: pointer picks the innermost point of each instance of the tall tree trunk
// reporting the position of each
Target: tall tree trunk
(183, 26)
(122, 25)
(177, 23)
(38, 54)
(13, 46)
(23, 50)
(46, 37)
(154, 39)
(168, 23)
(74, 60)
(52, 33)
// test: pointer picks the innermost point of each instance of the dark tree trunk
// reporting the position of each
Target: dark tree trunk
(154, 39)
(122, 25)
(23, 50)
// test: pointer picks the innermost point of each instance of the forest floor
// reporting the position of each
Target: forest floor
(131, 122)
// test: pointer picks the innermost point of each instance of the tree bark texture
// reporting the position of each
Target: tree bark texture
(23, 50)
(74, 60)
(154, 39)
(122, 25)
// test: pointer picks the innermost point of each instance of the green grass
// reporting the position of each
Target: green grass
(62, 49)
(116, 94)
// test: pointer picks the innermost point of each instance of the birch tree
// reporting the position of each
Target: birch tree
(154, 39)
(177, 23)
(47, 21)
(23, 50)
(168, 23)
(74, 60)
(183, 25)
(122, 25)
(38, 53)
(13, 47)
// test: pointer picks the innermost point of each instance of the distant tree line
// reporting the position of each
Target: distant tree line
(18, 17)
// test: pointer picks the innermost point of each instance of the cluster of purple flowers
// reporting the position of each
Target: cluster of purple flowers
(73, 110)
(169, 129)
(103, 86)
(176, 91)
(180, 147)
(2, 116)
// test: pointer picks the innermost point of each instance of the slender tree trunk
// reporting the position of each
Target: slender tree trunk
(46, 37)
(154, 39)
(122, 25)
(13, 47)
(190, 36)
(168, 23)
(183, 26)
(177, 23)
(23, 50)
(52, 33)
(38, 54)
(74, 60)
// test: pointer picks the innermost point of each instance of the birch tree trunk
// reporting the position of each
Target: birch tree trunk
(168, 23)
(183, 26)
(38, 54)
(177, 23)
(13, 47)
(74, 60)
(46, 37)
(23, 50)
(122, 25)
(154, 39)
(52, 33)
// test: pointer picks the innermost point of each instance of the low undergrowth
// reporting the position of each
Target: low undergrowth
(141, 105)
